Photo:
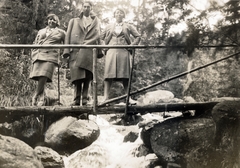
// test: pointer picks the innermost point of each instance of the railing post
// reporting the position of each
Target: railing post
(59, 101)
(95, 102)
(129, 83)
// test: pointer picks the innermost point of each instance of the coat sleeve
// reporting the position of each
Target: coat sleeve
(63, 33)
(41, 35)
(135, 34)
(103, 34)
(36, 38)
(107, 34)
(67, 37)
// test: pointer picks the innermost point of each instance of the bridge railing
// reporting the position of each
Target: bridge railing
(95, 47)
(12, 46)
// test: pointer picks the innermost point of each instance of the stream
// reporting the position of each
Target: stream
(109, 150)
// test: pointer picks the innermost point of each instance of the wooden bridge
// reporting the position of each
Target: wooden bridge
(8, 112)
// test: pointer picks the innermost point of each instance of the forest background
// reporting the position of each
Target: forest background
(189, 23)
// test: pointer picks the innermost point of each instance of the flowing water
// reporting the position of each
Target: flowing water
(109, 150)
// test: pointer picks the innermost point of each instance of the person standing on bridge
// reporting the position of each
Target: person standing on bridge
(45, 60)
(84, 30)
(117, 62)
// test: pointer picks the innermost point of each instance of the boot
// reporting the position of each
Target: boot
(85, 101)
(76, 102)
(41, 101)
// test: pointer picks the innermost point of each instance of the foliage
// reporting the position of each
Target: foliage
(172, 23)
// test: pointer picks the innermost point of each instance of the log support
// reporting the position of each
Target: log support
(7, 113)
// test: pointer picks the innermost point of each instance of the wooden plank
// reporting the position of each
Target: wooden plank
(78, 110)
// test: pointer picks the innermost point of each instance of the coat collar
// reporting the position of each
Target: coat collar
(94, 22)
(50, 35)
(54, 31)
(124, 31)
(124, 26)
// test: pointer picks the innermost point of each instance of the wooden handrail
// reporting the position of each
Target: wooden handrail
(15, 46)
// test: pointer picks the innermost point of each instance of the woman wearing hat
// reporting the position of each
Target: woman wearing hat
(45, 60)
(117, 63)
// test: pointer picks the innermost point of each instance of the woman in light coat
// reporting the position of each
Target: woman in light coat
(45, 60)
(117, 63)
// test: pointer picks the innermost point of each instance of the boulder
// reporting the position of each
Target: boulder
(153, 160)
(15, 153)
(158, 96)
(226, 115)
(146, 127)
(131, 137)
(49, 157)
(69, 134)
(94, 156)
(141, 151)
(172, 139)
(146, 132)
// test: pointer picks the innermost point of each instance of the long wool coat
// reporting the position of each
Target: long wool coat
(48, 54)
(117, 62)
(81, 59)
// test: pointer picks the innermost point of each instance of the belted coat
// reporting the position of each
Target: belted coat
(78, 34)
(117, 62)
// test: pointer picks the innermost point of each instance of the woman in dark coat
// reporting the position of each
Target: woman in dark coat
(117, 63)
(45, 60)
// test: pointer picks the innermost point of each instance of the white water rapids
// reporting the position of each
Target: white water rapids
(109, 150)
